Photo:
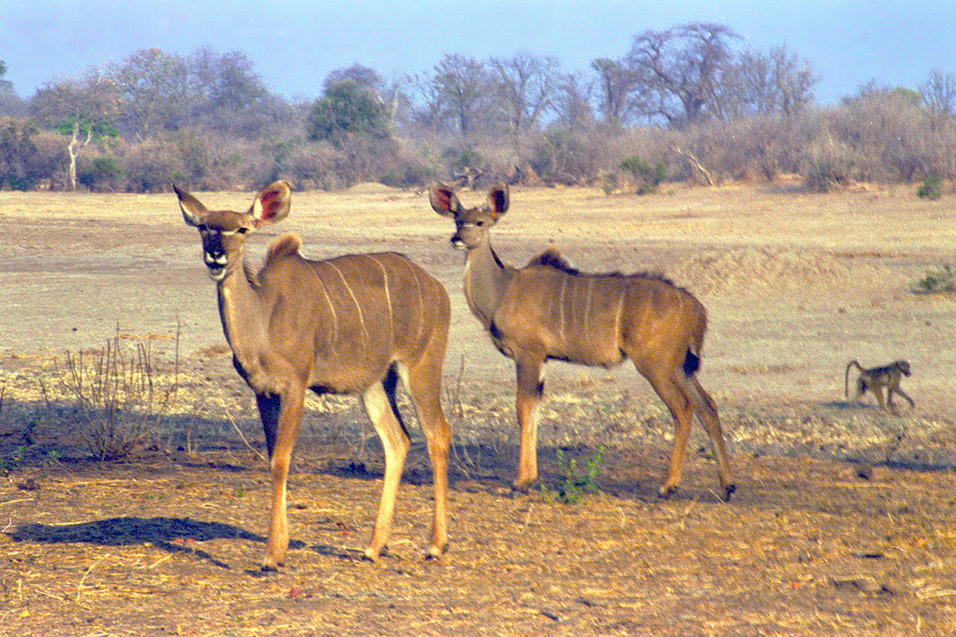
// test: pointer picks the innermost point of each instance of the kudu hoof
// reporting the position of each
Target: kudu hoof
(728, 490)
(372, 555)
(523, 486)
(666, 492)
(436, 552)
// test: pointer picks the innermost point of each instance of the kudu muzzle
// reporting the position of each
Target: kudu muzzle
(213, 254)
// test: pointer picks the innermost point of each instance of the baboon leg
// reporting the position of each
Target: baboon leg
(530, 376)
(682, 410)
(878, 392)
(707, 412)
(289, 415)
(424, 384)
(903, 394)
(395, 442)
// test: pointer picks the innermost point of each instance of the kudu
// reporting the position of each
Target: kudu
(353, 324)
(547, 310)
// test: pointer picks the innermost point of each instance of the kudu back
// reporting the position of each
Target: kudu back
(548, 310)
(353, 324)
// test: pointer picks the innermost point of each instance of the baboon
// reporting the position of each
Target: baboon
(875, 379)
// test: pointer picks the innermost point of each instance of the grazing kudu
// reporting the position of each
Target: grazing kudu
(547, 310)
(353, 324)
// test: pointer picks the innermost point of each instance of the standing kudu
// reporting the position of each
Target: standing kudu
(547, 310)
(351, 324)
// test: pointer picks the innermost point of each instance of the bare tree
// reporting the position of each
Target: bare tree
(82, 109)
(154, 91)
(10, 102)
(794, 78)
(526, 87)
(572, 103)
(765, 83)
(939, 94)
(685, 65)
(620, 91)
(460, 86)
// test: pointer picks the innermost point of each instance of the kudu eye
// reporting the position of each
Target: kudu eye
(242, 230)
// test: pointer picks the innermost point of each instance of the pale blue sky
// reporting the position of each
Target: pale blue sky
(295, 43)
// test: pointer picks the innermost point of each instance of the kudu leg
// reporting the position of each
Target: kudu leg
(396, 443)
(681, 408)
(707, 412)
(424, 385)
(285, 427)
(529, 394)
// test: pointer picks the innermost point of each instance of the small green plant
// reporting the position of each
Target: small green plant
(572, 482)
(647, 176)
(937, 281)
(931, 188)
(12, 461)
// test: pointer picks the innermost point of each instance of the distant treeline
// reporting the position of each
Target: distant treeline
(682, 104)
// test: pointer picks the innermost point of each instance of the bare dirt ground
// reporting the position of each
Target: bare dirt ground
(843, 519)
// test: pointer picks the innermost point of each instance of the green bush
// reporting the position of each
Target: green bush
(647, 176)
(103, 173)
(936, 281)
(931, 188)
(457, 159)
(346, 110)
(825, 176)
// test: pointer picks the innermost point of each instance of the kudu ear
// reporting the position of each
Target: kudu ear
(498, 200)
(272, 204)
(443, 200)
(191, 207)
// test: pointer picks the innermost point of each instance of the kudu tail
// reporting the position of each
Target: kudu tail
(691, 363)
(696, 344)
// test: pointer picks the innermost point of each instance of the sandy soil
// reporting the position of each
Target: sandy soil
(843, 520)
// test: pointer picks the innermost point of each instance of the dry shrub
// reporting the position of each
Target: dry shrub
(118, 395)
(311, 166)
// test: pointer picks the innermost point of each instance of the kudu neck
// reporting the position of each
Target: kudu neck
(240, 307)
(486, 279)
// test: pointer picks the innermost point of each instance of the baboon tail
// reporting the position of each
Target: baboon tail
(846, 377)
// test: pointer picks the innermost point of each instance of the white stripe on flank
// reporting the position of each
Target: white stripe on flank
(561, 305)
(388, 298)
(587, 310)
(619, 315)
(358, 306)
(421, 298)
(335, 316)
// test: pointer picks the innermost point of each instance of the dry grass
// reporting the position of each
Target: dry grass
(842, 523)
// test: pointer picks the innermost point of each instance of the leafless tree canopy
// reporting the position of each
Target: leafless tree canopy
(689, 98)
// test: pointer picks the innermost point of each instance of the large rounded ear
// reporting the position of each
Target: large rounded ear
(498, 200)
(272, 204)
(193, 210)
(443, 200)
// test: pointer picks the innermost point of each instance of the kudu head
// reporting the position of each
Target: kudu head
(223, 233)
(471, 224)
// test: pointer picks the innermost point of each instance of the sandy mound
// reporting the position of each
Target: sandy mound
(761, 269)
(370, 188)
